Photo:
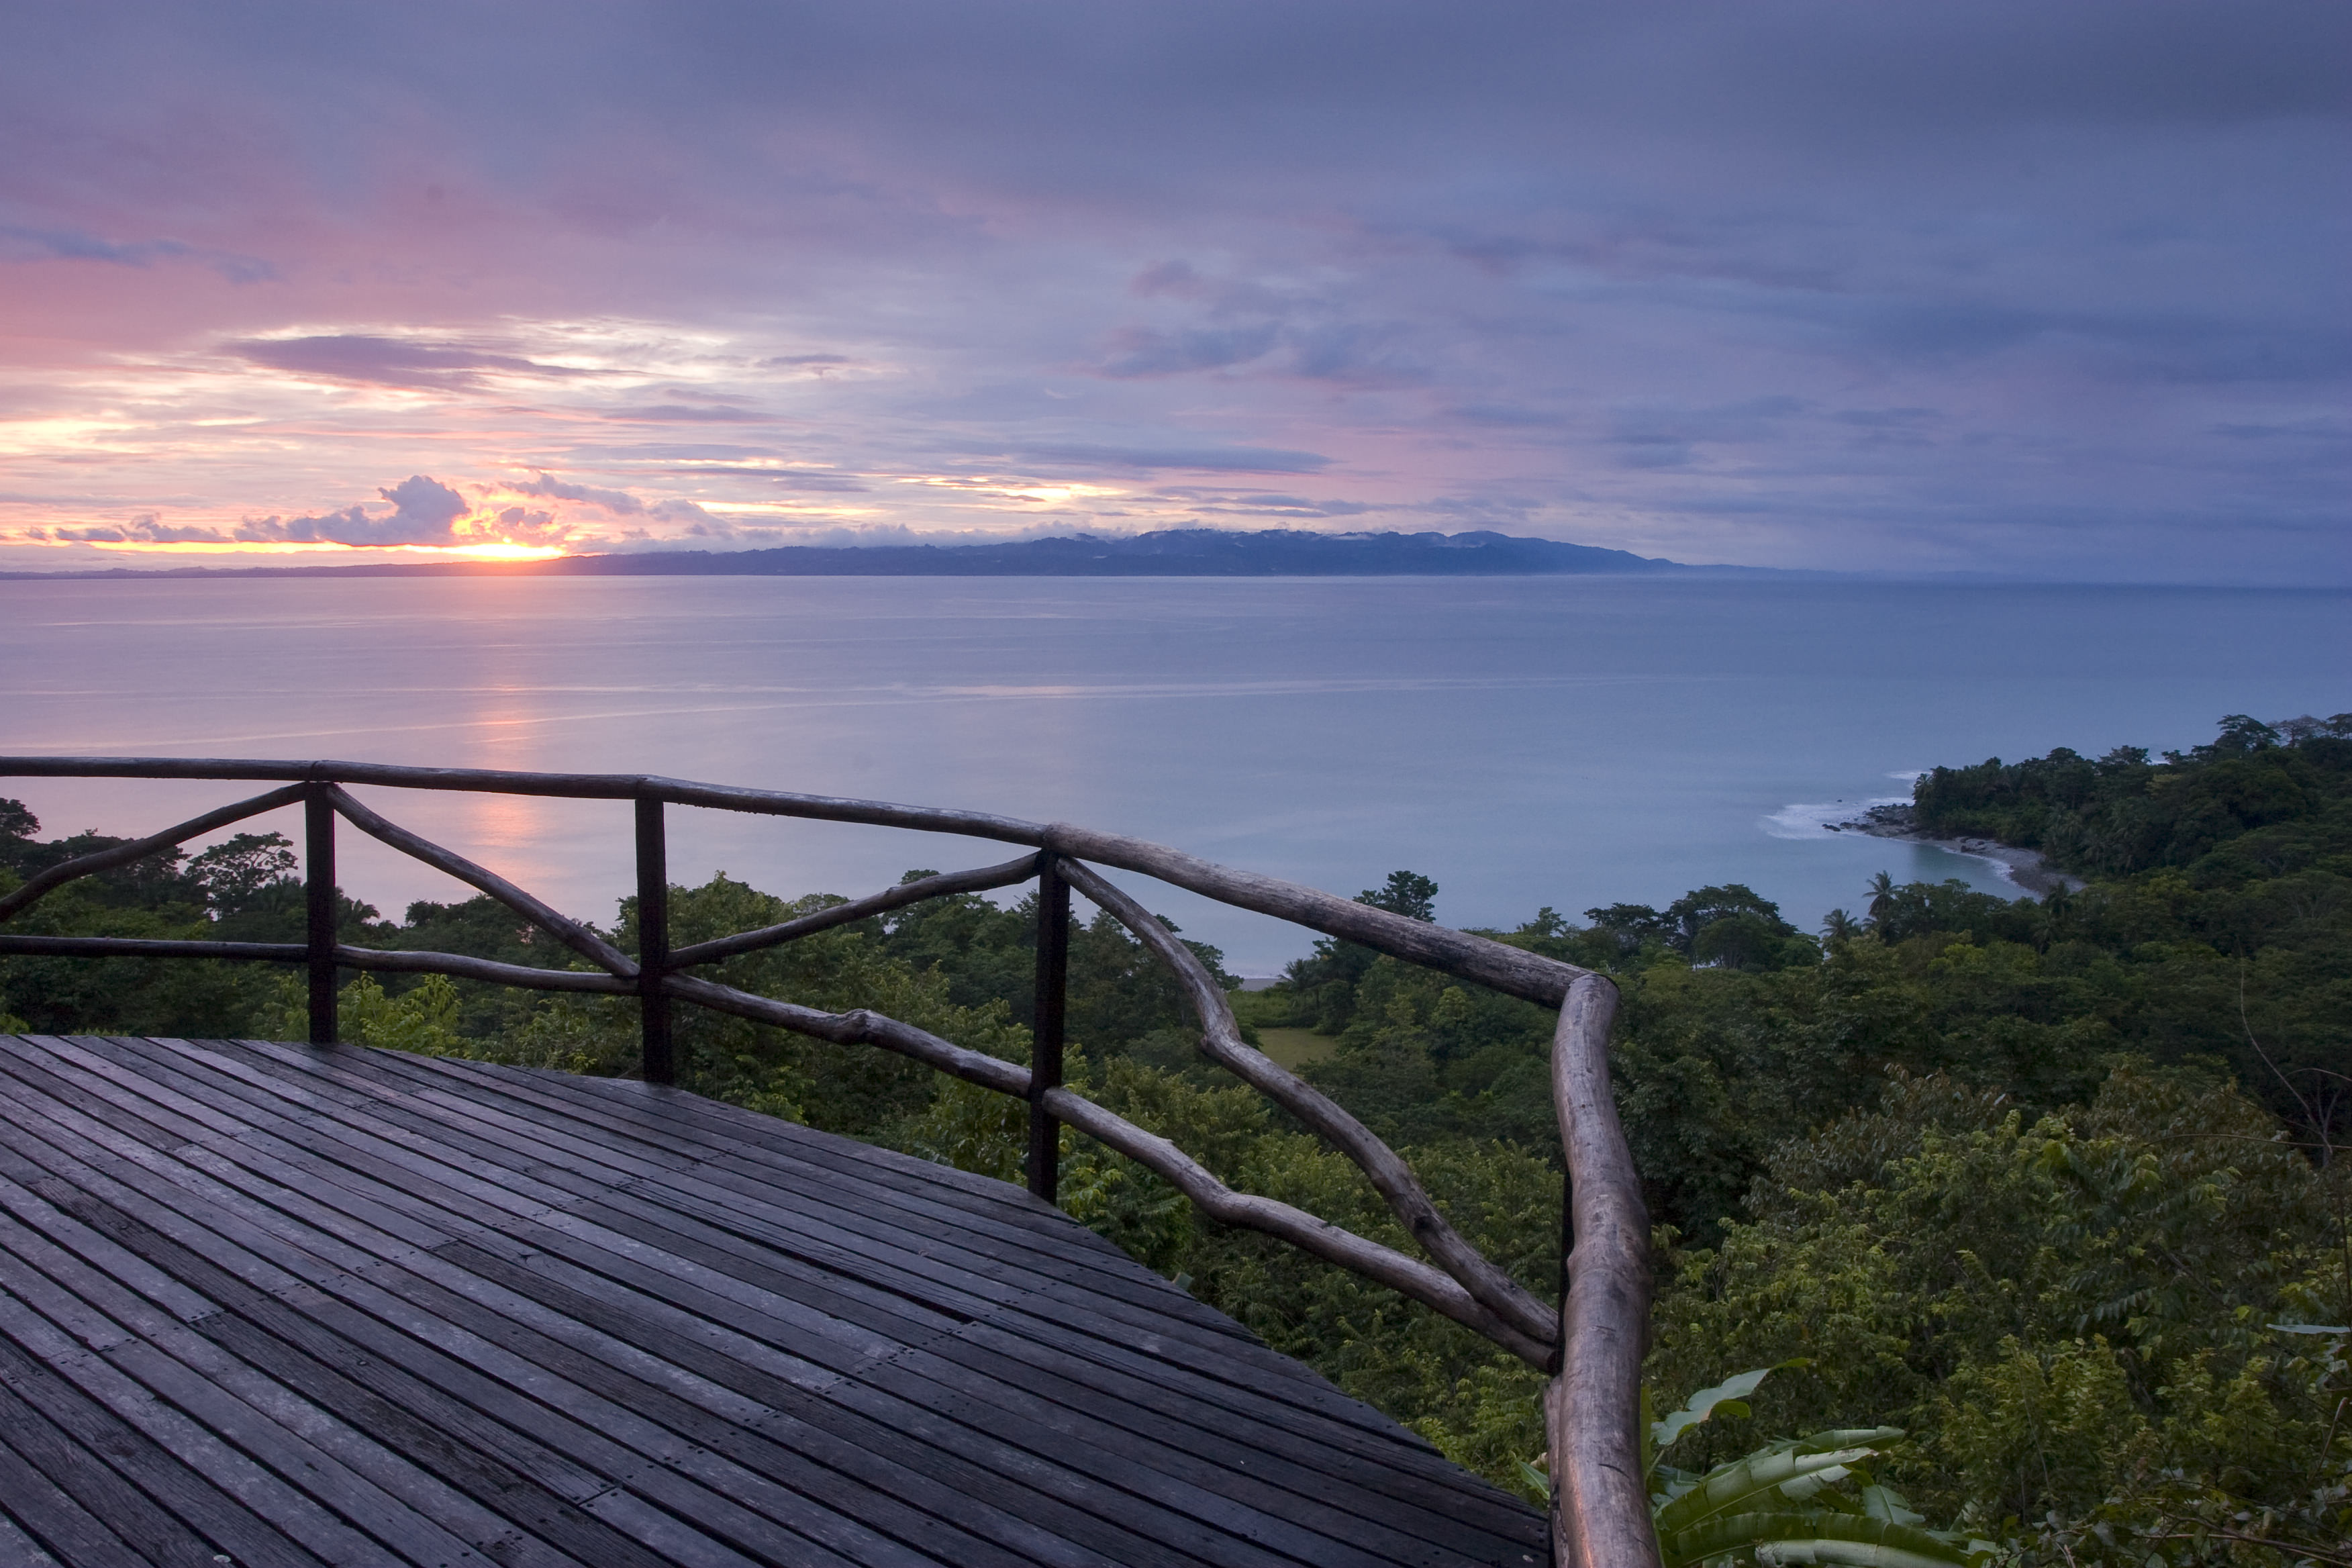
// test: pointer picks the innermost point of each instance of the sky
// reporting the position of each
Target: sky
(2035, 291)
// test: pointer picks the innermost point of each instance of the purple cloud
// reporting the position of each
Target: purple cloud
(686, 414)
(422, 512)
(1525, 266)
(385, 362)
(138, 531)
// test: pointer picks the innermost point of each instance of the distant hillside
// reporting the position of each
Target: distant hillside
(1177, 552)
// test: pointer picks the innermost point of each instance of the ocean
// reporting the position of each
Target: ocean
(1561, 741)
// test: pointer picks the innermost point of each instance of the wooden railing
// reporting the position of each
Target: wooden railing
(1592, 1340)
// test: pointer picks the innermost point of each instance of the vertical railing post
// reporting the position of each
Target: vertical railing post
(1045, 1051)
(1567, 1251)
(318, 899)
(659, 1062)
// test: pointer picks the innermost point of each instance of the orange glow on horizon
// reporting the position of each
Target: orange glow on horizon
(494, 550)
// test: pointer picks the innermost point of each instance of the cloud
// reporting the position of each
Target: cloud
(779, 478)
(1506, 415)
(22, 244)
(1548, 264)
(686, 414)
(612, 503)
(1141, 351)
(1299, 332)
(423, 513)
(1170, 277)
(139, 530)
(373, 361)
(620, 503)
(1229, 459)
(1259, 503)
(1669, 437)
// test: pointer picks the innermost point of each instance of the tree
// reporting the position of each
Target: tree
(234, 874)
(1882, 897)
(1405, 893)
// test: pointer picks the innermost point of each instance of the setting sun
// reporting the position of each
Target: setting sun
(497, 550)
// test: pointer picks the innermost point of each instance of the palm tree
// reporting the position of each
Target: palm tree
(1882, 898)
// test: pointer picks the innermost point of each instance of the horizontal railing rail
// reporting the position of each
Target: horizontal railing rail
(1592, 1340)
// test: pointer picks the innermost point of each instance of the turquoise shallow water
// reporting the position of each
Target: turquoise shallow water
(1525, 742)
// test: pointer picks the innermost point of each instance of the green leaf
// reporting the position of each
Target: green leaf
(1773, 1476)
(1777, 1538)
(1730, 1396)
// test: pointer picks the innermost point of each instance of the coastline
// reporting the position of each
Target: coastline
(2024, 869)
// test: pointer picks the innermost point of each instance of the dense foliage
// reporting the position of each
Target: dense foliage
(2050, 1186)
(2123, 814)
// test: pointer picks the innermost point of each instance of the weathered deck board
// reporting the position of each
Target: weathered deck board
(279, 1304)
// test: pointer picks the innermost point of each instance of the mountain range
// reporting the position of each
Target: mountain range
(1173, 552)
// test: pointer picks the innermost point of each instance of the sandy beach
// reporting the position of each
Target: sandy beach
(2025, 867)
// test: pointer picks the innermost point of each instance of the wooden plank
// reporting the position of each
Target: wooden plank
(1493, 1502)
(754, 1241)
(29, 1498)
(18, 1550)
(703, 1504)
(186, 1440)
(640, 1183)
(1185, 1483)
(545, 1445)
(595, 1351)
(1015, 1449)
(863, 1246)
(1332, 1403)
(1296, 1458)
(647, 1115)
(39, 1450)
(1226, 1335)
(1167, 1415)
(1161, 1297)
(450, 1439)
(56, 1061)
(951, 1202)
(105, 1442)
(722, 1299)
(357, 1192)
(341, 1468)
(369, 1440)
(78, 1130)
(1511, 1511)
(721, 1489)
(965, 1550)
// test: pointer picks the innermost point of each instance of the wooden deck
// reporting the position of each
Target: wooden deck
(268, 1304)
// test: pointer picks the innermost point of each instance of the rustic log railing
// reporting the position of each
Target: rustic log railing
(1593, 1341)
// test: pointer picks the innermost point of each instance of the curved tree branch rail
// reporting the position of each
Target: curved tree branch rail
(1594, 1340)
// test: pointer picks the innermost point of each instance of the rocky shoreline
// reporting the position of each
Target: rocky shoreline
(2025, 868)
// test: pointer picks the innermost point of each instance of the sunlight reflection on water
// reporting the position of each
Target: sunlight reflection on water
(1568, 741)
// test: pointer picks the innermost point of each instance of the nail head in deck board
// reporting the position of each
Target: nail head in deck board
(625, 1323)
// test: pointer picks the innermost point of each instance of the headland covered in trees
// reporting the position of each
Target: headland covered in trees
(1170, 552)
(2055, 1187)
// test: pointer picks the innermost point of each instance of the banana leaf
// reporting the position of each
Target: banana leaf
(1728, 1397)
(1779, 1538)
(1731, 1394)
(1774, 1478)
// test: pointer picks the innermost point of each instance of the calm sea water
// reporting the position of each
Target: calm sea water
(1568, 741)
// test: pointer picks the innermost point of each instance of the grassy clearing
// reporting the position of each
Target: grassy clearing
(1294, 1048)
